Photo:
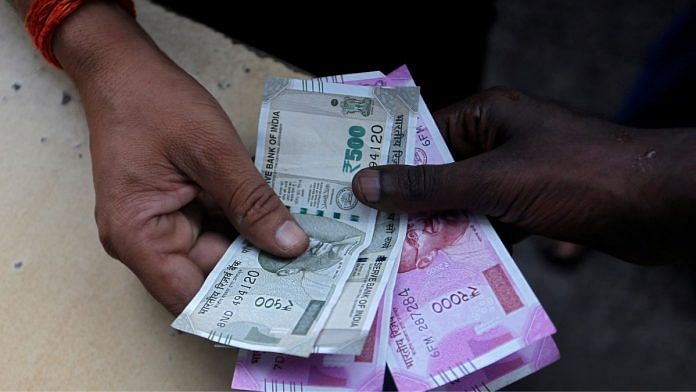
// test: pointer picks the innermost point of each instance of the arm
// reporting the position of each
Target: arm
(162, 149)
(546, 170)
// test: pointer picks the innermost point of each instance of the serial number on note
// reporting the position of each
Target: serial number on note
(417, 318)
(248, 282)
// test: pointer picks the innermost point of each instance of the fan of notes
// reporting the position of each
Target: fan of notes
(437, 299)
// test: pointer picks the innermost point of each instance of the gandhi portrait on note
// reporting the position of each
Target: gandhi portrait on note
(330, 241)
(427, 235)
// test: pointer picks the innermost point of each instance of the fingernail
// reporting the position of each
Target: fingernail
(289, 235)
(368, 181)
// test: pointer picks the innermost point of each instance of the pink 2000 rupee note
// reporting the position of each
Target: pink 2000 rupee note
(512, 368)
(460, 302)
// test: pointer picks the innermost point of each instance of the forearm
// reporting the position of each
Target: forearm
(99, 37)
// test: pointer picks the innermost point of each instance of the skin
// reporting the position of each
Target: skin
(165, 158)
(538, 168)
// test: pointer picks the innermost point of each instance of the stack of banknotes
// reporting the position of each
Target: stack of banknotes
(436, 299)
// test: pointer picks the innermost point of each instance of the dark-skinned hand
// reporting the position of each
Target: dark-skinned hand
(542, 169)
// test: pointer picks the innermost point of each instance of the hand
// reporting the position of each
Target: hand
(162, 149)
(546, 170)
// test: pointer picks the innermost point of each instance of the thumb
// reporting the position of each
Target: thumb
(225, 172)
(473, 185)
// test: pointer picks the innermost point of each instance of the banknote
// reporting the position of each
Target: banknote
(370, 78)
(349, 323)
(258, 371)
(460, 302)
(512, 368)
(375, 267)
(313, 137)
(499, 373)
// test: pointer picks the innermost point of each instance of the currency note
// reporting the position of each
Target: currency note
(372, 279)
(370, 78)
(313, 137)
(349, 323)
(512, 368)
(460, 302)
(258, 371)
(498, 374)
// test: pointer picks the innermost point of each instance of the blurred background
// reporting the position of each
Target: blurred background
(620, 326)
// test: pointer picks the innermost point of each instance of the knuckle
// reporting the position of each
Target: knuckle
(119, 227)
(199, 143)
(105, 230)
(174, 307)
(168, 292)
(476, 105)
(252, 204)
(417, 183)
(488, 101)
(498, 93)
(488, 113)
(165, 284)
(201, 153)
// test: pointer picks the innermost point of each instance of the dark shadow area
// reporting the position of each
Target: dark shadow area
(444, 49)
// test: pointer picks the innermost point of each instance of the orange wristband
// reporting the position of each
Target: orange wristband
(44, 17)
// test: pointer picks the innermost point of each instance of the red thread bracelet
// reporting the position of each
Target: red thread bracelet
(45, 16)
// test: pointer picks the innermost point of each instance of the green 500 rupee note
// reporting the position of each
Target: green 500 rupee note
(313, 138)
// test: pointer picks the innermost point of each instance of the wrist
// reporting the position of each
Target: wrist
(670, 157)
(99, 39)
(660, 203)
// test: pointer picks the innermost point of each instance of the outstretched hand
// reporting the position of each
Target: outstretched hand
(545, 170)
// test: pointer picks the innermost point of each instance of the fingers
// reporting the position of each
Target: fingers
(208, 249)
(209, 235)
(171, 256)
(499, 115)
(173, 279)
(171, 253)
(219, 163)
(473, 185)
(483, 121)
